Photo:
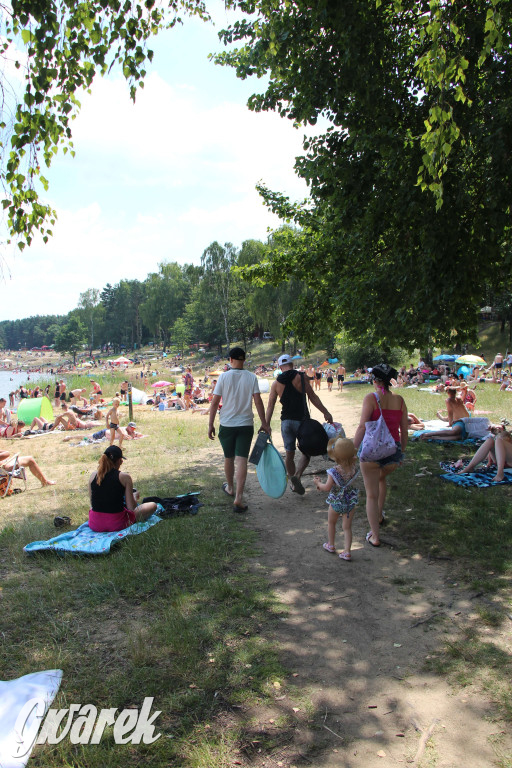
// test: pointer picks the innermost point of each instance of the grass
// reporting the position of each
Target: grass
(178, 614)
(175, 613)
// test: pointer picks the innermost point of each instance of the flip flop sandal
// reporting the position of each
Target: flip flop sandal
(225, 489)
(384, 521)
(345, 556)
(297, 486)
(369, 540)
(240, 508)
(329, 548)
(59, 522)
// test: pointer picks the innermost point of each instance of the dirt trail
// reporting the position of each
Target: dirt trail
(355, 645)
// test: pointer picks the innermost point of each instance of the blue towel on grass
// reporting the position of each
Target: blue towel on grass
(480, 479)
(83, 541)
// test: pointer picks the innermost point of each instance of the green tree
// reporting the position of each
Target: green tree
(167, 293)
(89, 306)
(410, 183)
(63, 46)
(218, 281)
(181, 334)
(71, 337)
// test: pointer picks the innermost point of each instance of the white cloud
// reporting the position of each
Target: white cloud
(157, 180)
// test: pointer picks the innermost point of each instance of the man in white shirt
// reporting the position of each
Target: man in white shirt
(237, 388)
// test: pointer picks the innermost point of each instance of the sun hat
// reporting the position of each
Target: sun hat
(113, 452)
(341, 449)
(284, 360)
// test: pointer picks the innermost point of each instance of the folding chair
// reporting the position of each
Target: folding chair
(7, 476)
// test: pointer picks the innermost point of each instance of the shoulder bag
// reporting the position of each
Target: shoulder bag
(378, 442)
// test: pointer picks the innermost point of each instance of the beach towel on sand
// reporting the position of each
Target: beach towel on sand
(83, 541)
(482, 478)
(14, 694)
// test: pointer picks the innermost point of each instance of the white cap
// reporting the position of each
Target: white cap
(284, 360)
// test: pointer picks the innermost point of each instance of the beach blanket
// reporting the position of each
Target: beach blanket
(482, 478)
(16, 742)
(83, 541)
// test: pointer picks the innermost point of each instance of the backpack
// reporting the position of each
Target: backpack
(312, 438)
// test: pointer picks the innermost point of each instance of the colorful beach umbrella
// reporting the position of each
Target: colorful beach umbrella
(470, 360)
(161, 384)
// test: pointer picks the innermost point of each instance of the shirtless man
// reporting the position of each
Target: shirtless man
(497, 366)
(62, 391)
(310, 372)
(70, 421)
(7, 462)
(77, 394)
(341, 376)
(457, 412)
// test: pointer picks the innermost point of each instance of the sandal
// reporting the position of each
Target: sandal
(329, 547)
(369, 540)
(59, 521)
(345, 555)
(297, 486)
(225, 489)
(383, 522)
(240, 507)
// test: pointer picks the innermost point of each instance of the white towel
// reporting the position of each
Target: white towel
(16, 743)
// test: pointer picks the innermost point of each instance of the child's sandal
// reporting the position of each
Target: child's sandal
(329, 547)
(345, 555)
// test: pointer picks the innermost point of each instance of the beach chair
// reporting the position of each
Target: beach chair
(8, 476)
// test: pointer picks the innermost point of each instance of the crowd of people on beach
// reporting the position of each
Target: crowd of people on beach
(232, 392)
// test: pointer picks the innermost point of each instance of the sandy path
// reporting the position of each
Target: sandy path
(350, 643)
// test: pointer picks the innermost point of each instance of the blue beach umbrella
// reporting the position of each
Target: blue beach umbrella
(464, 370)
(333, 360)
(447, 358)
(297, 357)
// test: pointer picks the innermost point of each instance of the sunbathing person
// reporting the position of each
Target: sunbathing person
(12, 430)
(497, 449)
(8, 462)
(70, 421)
(129, 432)
(454, 406)
(41, 424)
(414, 422)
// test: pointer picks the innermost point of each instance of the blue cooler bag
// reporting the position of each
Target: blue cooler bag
(271, 472)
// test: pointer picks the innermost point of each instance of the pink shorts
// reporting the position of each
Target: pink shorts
(107, 522)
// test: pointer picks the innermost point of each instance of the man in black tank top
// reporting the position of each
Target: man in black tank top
(288, 387)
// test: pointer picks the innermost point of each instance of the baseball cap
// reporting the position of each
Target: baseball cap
(284, 360)
(113, 452)
(132, 424)
(237, 353)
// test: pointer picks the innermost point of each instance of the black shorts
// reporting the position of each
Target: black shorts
(329, 379)
(318, 376)
(498, 365)
(341, 378)
(62, 396)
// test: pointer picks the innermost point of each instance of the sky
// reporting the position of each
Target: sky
(156, 181)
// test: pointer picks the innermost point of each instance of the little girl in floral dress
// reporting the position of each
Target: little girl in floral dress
(343, 497)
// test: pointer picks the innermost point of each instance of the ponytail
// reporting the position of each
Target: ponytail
(104, 466)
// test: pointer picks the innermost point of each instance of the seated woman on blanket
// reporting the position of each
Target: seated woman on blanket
(497, 449)
(113, 501)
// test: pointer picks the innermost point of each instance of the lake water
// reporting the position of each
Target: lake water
(10, 381)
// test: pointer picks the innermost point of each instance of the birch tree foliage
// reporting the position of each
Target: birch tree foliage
(50, 52)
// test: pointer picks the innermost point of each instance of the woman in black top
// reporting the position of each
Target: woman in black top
(113, 501)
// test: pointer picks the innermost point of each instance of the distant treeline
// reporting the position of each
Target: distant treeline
(178, 305)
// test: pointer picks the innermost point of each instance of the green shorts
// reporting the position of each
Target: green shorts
(236, 441)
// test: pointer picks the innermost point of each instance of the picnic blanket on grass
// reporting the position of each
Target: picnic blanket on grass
(83, 541)
(482, 478)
